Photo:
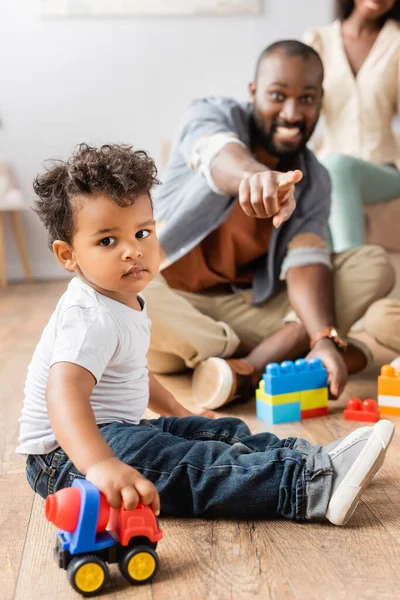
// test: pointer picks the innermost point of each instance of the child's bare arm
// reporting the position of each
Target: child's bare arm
(162, 402)
(68, 392)
(69, 388)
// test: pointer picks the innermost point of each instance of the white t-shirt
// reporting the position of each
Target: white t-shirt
(104, 336)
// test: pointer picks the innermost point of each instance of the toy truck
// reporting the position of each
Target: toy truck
(93, 534)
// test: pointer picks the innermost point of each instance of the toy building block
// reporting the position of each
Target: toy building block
(278, 413)
(291, 391)
(389, 405)
(289, 377)
(389, 391)
(311, 399)
(389, 382)
(275, 399)
(390, 410)
(361, 411)
(308, 399)
(314, 412)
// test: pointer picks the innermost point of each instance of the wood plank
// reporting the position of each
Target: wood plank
(39, 576)
(16, 501)
(199, 559)
(220, 559)
(357, 561)
(24, 311)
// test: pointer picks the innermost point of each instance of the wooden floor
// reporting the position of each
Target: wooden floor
(199, 559)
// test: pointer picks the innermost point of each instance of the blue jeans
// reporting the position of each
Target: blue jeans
(209, 467)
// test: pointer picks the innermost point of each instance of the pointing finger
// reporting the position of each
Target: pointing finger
(290, 178)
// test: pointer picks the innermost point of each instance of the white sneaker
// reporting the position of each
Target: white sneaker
(355, 461)
(353, 435)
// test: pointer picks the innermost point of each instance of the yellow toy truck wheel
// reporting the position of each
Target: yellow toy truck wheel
(87, 574)
(139, 565)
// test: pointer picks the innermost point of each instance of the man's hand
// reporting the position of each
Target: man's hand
(269, 194)
(334, 364)
(121, 483)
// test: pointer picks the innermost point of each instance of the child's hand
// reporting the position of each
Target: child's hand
(208, 413)
(121, 483)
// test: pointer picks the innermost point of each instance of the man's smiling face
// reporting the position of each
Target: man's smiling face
(286, 98)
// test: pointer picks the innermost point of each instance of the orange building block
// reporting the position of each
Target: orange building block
(390, 410)
(388, 382)
(361, 411)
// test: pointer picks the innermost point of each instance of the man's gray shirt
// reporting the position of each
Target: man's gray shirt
(187, 209)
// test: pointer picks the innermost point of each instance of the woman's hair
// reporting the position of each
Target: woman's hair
(344, 8)
(116, 171)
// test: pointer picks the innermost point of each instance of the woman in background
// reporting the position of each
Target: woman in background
(361, 56)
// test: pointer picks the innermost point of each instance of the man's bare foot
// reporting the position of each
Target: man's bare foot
(357, 356)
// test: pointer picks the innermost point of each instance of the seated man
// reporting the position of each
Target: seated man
(244, 281)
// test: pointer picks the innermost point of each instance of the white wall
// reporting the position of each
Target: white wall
(65, 81)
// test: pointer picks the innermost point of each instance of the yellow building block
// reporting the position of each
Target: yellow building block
(308, 398)
(278, 399)
(388, 382)
(313, 398)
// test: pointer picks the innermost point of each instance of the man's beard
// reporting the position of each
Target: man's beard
(259, 137)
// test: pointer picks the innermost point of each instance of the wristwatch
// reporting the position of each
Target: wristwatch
(332, 334)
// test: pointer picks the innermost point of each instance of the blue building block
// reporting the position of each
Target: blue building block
(278, 413)
(289, 376)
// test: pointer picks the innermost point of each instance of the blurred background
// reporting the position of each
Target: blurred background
(66, 80)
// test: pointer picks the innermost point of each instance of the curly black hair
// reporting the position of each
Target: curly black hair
(115, 170)
(344, 8)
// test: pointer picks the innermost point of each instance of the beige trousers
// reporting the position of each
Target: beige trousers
(188, 328)
(382, 321)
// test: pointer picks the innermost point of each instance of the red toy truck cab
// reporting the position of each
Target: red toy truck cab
(93, 534)
(129, 525)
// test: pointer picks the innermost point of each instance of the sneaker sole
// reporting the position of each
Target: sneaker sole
(367, 464)
(381, 460)
(212, 382)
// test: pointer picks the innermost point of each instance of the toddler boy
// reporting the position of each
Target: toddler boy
(88, 385)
